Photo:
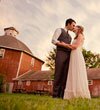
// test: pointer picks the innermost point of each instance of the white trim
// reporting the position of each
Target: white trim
(28, 83)
(90, 82)
(31, 54)
(17, 49)
(2, 56)
(19, 64)
(50, 82)
(32, 62)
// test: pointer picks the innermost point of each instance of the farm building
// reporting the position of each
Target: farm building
(15, 57)
(94, 81)
(34, 82)
(43, 81)
(21, 70)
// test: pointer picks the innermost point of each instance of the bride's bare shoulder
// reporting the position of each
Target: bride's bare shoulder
(81, 36)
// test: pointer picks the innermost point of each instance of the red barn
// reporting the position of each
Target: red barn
(43, 81)
(15, 57)
(34, 82)
(94, 81)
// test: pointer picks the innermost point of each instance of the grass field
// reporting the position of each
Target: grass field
(37, 102)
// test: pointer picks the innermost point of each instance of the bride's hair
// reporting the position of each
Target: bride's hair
(80, 30)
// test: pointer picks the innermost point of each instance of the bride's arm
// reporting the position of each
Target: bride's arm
(78, 41)
(69, 46)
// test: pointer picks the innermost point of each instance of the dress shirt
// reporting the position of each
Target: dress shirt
(56, 35)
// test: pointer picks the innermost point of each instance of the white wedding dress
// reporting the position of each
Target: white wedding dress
(77, 83)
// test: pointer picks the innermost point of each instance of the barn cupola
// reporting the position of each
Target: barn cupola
(11, 31)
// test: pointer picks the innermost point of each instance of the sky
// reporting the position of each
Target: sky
(36, 21)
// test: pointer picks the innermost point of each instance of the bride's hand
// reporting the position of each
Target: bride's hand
(65, 44)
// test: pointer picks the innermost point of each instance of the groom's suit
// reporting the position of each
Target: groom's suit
(61, 64)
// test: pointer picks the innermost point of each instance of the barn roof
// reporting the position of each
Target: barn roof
(93, 73)
(13, 43)
(38, 76)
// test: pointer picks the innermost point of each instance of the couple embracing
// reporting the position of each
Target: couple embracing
(70, 78)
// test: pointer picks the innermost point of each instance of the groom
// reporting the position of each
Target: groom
(62, 57)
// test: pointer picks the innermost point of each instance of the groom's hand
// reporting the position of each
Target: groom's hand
(64, 44)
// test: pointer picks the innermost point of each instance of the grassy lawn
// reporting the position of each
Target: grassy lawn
(37, 102)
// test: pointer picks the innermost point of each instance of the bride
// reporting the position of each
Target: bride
(77, 83)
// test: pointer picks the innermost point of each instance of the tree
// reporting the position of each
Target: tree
(92, 60)
(50, 61)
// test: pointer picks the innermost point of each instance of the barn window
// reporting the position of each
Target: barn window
(32, 61)
(19, 82)
(2, 51)
(90, 82)
(49, 82)
(28, 83)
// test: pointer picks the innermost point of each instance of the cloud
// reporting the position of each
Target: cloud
(36, 20)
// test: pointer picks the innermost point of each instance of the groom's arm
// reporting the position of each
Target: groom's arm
(80, 39)
(55, 40)
(56, 35)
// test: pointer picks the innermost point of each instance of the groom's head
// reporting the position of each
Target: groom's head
(70, 24)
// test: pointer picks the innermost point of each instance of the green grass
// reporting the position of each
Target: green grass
(37, 102)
